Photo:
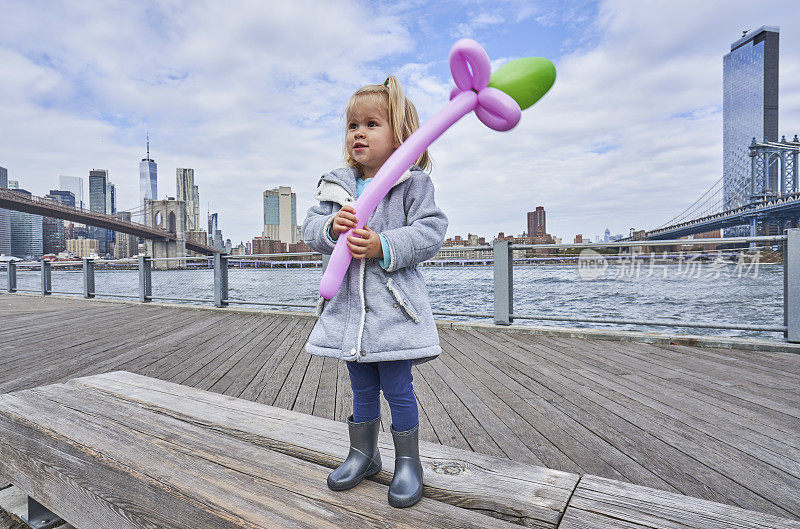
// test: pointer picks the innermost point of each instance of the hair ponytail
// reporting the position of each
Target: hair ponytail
(402, 114)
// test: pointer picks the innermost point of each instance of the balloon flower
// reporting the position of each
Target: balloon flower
(497, 99)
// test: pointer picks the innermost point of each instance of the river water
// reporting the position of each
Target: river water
(752, 296)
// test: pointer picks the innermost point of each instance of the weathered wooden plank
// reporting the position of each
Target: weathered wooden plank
(658, 396)
(171, 361)
(86, 343)
(711, 379)
(708, 473)
(633, 453)
(676, 401)
(287, 394)
(426, 432)
(325, 400)
(250, 359)
(293, 346)
(153, 345)
(581, 439)
(470, 480)
(307, 392)
(266, 355)
(80, 348)
(262, 328)
(51, 368)
(183, 475)
(344, 393)
(493, 414)
(277, 352)
(36, 325)
(220, 352)
(476, 436)
(539, 427)
(205, 354)
(445, 430)
(600, 503)
(664, 385)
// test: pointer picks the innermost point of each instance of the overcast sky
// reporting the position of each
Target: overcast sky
(251, 94)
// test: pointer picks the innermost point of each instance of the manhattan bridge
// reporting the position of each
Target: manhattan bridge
(765, 203)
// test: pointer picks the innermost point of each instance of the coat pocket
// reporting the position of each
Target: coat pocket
(402, 300)
(320, 305)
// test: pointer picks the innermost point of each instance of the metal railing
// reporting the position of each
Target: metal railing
(501, 308)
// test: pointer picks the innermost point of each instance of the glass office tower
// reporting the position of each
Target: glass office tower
(749, 109)
(148, 178)
(75, 185)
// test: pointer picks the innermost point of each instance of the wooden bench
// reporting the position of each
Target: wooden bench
(126, 451)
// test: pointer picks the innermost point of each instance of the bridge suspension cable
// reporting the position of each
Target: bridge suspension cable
(710, 202)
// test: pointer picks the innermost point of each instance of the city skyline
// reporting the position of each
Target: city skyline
(601, 141)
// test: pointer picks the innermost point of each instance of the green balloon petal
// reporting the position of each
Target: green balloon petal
(526, 80)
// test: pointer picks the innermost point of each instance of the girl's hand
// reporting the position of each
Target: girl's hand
(343, 221)
(367, 244)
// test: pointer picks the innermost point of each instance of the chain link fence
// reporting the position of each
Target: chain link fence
(29, 276)
(587, 285)
(117, 279)
(67, 278)
(183, 280)
(703, 287)
(279, 281)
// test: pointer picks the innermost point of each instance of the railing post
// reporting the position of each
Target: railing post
(88, 277)
(145, 279)
(503, 282)
(47, 287)
(791, 285)
(325, 258)
(220, 280)
(12, 276)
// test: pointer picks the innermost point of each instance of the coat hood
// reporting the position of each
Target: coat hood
(340, 185)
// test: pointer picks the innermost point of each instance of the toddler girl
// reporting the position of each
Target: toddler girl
(380, 320)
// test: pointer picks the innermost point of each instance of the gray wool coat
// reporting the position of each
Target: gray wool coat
(379, 314)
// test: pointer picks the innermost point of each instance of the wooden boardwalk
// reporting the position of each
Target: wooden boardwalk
(717, 424)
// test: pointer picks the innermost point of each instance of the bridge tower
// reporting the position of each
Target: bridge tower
(773, 175)
(170, 215)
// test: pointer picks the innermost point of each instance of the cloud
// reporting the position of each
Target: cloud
(250, 95)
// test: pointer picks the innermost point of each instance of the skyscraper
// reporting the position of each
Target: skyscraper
(54, 231)
(65, 197)
(5, 218)
(26, 233)
(214, 233)
(749, 108)
(148, 177)
(111, 198)
(280, 214)
(536, 222)
(75, 185)
(188, 192)
(99, 202)
(98, 183)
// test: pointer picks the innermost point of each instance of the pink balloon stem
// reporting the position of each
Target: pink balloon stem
(410, 150)
(391, 171)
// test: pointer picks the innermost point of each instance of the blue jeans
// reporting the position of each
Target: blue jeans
(393, 377)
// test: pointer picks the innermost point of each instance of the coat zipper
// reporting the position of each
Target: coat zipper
(363, 305)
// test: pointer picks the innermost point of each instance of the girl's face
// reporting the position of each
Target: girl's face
(369, 139)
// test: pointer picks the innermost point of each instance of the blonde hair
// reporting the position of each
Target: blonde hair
(403, 118)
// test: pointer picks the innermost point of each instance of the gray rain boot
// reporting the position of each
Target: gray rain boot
(406, 487)
(363, 460)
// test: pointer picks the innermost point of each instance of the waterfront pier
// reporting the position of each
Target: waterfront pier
(711, 424)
